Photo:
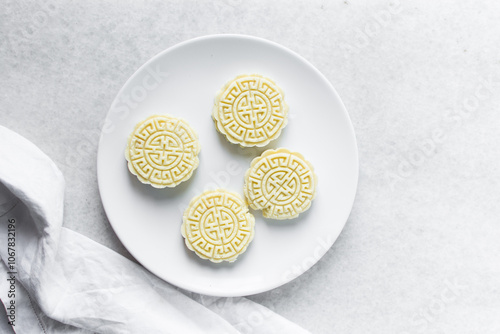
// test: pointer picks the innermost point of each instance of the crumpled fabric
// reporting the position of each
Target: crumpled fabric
(63, 282)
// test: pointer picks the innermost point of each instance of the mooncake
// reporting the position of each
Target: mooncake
(250, 110)
(162, 151)
(218, 226)
(281, 183)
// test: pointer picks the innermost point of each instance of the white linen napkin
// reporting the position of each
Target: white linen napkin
(67, 283)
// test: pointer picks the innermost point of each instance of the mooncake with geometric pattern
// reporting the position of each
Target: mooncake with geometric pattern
(250, 110)
(281, 183)
(218, 226)
(162, 151)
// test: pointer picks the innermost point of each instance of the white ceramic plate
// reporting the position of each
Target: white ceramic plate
(182, 81)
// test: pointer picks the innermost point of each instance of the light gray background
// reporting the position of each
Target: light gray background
(421, 81)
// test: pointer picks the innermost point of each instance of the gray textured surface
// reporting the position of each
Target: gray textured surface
(416, 86)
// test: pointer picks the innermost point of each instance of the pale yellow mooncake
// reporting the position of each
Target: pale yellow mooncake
(162, 151)
(218, 226)
(281, 183)
(250, 110)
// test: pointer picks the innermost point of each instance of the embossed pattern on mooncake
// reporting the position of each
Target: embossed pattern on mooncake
(250, 110)
(217, 226)
(162, 151)
(281, 183)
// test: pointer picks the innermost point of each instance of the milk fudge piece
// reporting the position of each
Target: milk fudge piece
(162, 151)
(281, 183)
(218, 226)
(250, 110)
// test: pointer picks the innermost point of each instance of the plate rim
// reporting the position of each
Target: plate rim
(352, 133)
